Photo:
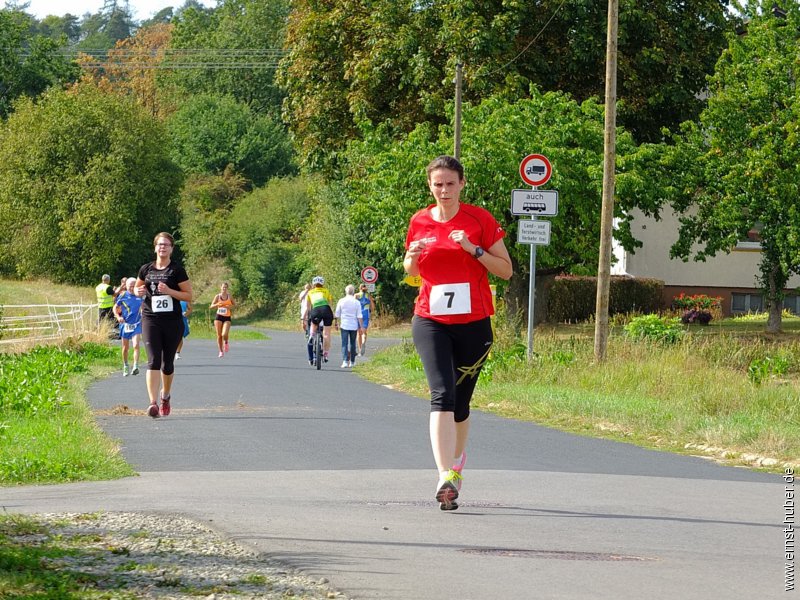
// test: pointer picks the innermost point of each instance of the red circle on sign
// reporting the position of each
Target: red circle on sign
(369, 274)
(535, 169)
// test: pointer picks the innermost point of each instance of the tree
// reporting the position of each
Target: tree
(162, 17)
(131, 66)
(29, 64)
(386, 182)
(100, 31)
(739, 165)
(54, 27)
(85, 184)
(240, 40)
(353, 61)
(209, 133)
(263, 247)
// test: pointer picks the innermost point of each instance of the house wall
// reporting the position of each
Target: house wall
(721, 275)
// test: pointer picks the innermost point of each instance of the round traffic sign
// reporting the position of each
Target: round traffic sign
(369, 274)
(535, 170)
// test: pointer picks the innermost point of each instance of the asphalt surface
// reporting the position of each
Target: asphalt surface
(334, 475)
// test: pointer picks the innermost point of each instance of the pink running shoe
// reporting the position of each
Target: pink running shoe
(165, 408)
(227, 347)
(153, 411)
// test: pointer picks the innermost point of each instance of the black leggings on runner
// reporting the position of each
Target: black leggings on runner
(161, 339)
(452, 356)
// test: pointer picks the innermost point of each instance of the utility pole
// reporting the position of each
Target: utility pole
(457, 124)
(609, 165)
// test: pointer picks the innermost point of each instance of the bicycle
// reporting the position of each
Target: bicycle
(318, 340)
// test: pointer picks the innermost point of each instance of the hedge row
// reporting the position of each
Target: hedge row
(573, 298)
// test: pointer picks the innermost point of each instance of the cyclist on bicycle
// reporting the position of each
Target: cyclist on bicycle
(320, 309)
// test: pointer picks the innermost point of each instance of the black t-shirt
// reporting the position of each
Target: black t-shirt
(161, 306)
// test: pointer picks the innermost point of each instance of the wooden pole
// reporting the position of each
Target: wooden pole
(609, 164)
(457, 124)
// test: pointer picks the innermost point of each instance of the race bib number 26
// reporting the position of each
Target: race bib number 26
(450, 299)
(162, 304)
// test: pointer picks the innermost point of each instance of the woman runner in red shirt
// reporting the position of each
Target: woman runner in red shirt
(453, 247)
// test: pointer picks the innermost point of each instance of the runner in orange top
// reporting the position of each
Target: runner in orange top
(223, 302)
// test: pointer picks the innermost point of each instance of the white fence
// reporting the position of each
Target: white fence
(36, 322)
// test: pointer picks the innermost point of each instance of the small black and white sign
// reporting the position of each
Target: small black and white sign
(533, 232)
(534, 203)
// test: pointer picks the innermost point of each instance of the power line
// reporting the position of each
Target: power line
(175, 58)
(525, 49)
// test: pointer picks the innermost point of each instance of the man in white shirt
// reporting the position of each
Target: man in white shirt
(348, 314)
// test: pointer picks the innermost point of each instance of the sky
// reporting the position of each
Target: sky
(141, 9)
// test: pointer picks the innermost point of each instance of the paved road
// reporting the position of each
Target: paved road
(334, 475)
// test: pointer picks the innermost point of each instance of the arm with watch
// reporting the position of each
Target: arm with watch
(495, 258)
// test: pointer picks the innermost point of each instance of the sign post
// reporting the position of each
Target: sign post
(535, 170)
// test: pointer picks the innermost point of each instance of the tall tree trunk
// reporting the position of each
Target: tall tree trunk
(774, 298)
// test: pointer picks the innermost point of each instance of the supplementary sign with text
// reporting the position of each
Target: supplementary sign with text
(533, 232)
(537, 203)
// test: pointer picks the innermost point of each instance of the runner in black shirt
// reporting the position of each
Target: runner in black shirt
(163, 284)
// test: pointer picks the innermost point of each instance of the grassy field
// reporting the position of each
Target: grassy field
(728, 391)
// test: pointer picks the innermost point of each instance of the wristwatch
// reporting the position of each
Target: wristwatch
(478, 252)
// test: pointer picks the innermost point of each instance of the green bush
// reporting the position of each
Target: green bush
(32, 382)
(573, 298)
(655, 328)
(762, 369)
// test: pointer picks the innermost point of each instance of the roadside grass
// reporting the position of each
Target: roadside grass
(47, 432)
(702, 395)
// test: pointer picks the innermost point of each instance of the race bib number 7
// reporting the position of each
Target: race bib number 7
(450, 299)
(162, 304)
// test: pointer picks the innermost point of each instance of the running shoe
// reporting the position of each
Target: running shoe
(135, 370)
(177, 356)
(220, 355)
(125, 371)
(153, 411)
(311, 363)
(345, 364)
(458, 466)
(165, 405)
(451, 506)
(227, 347)
(447, 490)
(325, 356)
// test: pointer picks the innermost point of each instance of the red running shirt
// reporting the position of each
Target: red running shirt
(455, 285)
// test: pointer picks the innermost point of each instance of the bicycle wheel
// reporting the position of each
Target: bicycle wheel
(318, 349)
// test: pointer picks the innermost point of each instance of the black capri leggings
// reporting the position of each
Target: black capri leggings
(161, 339)
(452, 356)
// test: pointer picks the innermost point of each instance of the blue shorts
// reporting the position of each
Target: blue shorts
(134, 329)
(365, 318)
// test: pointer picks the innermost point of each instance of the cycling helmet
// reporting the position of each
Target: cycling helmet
(318, 280)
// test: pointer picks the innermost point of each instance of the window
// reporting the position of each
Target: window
(792, 304)
(744, 303)
(753, 239)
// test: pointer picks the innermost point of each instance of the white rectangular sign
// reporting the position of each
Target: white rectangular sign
(535, 203)
(533, 232)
